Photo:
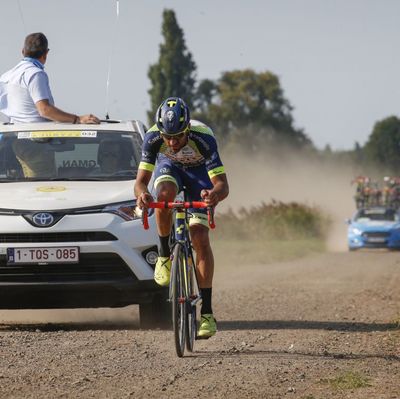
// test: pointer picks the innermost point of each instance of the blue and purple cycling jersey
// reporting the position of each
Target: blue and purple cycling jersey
(192, 166)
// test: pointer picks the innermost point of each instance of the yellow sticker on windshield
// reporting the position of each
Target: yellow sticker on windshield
(51, 189)
(56, 133)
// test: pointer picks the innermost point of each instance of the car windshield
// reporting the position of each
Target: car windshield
(69, 155)
(389, 215)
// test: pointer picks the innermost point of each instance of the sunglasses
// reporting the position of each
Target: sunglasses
(178, 136)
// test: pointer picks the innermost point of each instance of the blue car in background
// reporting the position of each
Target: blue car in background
(377, 227)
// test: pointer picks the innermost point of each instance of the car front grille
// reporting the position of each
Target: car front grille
(78, 236)
(91, 267)
(376, 235)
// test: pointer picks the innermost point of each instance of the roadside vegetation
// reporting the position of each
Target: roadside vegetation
(270, 232)
(348, 380)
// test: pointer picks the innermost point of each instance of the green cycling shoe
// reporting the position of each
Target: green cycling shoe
(208, 326)
(162, 272)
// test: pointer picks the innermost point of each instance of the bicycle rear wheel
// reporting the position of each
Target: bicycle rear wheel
(179, 317)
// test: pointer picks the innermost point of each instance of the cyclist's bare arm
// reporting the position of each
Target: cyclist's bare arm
(219, 192)
(141, 191)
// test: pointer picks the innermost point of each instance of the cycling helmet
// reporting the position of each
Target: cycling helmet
(172, 116)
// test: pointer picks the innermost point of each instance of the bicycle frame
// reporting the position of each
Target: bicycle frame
(182, 237)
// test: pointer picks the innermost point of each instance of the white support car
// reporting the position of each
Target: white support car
(70, 233)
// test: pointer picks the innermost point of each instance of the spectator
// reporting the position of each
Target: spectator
(25, 94)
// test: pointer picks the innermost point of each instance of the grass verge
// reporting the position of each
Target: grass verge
(396, 321)
(277, 220)
(348, 380)
(269, 233)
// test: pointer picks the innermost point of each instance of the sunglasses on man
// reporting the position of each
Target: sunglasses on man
(178, 136)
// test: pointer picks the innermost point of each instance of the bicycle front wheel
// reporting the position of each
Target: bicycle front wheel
(179, 318)
(191, 323)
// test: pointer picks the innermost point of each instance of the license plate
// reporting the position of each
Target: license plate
(376, 239)
(43, 255)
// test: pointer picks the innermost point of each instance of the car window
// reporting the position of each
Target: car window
(69, 155)
(377, 215)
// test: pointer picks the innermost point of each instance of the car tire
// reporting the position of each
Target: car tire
(156, 314)
(351, 249)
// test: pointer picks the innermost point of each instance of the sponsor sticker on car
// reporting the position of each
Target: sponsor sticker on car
(57, 133)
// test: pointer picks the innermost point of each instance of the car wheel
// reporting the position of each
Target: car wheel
(351, 249)
(156, 314)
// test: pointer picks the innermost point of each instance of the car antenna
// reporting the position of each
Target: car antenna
(22, 16)
(110, 57)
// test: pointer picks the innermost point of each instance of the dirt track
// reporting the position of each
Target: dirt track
(286, 330)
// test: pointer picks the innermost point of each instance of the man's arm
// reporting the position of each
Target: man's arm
(141, 191)
(48, 111)
(219, 192)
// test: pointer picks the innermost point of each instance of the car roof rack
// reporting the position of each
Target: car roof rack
(110, 121)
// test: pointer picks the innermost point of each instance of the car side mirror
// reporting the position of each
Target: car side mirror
(347, 221)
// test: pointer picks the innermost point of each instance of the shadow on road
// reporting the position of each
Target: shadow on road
(351, 326)
(231, 325)
(75, 326)
(292, 353)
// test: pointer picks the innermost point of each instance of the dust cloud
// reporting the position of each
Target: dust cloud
(284, 177)
(292, 177)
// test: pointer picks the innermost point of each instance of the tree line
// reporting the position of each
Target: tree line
(248, 107)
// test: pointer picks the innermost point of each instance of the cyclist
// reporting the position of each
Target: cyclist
(187, 155)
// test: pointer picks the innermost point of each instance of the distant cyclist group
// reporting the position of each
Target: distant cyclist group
(371, 193)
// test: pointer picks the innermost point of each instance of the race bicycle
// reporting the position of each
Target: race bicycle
(183, 289)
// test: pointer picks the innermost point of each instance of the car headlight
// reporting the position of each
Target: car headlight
(126, 210)
(356, 231)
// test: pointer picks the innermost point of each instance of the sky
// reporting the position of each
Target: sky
(337, 60)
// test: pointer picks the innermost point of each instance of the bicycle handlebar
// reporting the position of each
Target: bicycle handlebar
(185, 205)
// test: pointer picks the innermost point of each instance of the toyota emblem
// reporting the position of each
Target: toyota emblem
(43, 219)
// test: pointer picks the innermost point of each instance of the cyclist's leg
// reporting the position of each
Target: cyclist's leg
(196, 179)
(204, 255)
(167, 183)
(205, 273)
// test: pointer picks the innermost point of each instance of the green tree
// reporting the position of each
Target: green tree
(174, 73)
(383, 145)
(358, 152)
(244, 103)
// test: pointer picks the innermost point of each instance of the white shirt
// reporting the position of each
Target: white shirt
(20, 88)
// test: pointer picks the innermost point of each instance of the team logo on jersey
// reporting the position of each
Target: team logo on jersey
(154, 139)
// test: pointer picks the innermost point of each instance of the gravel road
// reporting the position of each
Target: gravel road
(322, 327)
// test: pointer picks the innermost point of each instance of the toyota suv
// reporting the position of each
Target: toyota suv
(70, 233)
